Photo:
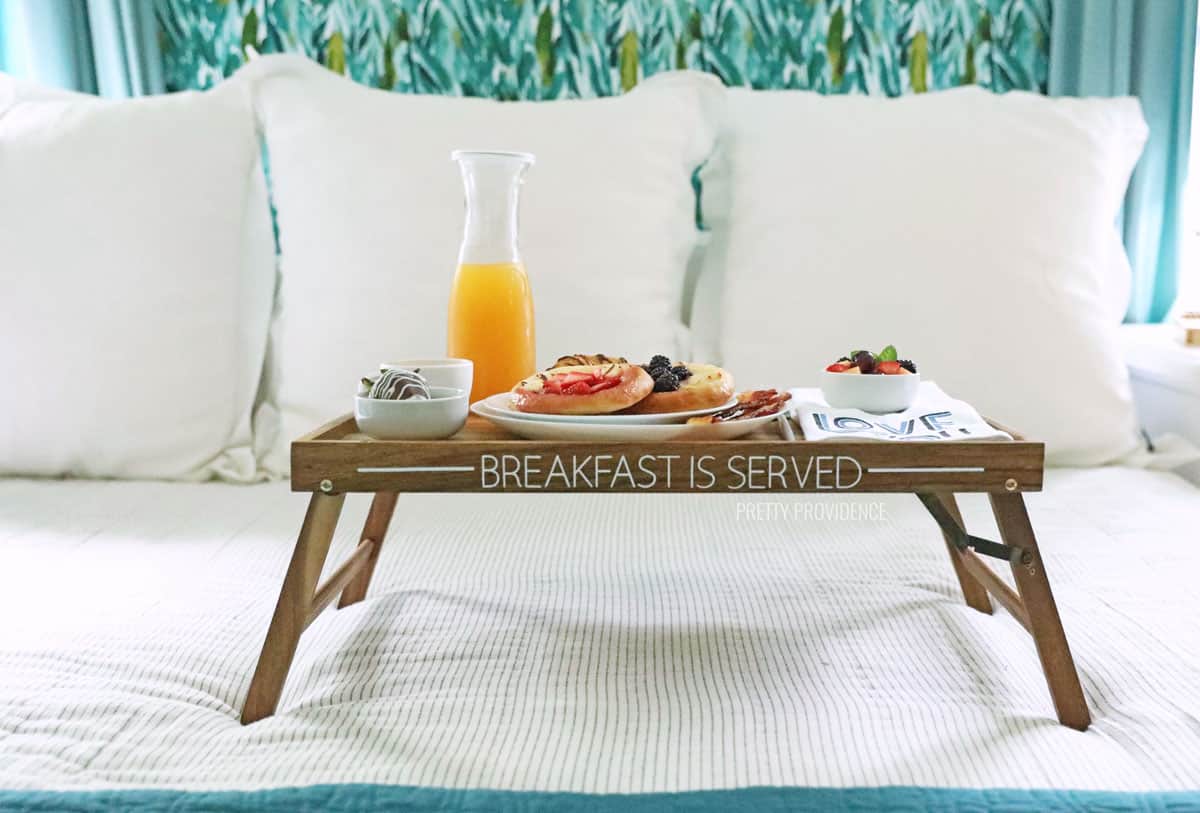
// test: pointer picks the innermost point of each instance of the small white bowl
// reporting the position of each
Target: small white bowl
(456, 373)
(413, 419)
(878, 394)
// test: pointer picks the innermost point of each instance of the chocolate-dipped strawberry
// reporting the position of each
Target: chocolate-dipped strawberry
(396, 385)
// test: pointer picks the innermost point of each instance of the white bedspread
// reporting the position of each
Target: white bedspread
(592, 643)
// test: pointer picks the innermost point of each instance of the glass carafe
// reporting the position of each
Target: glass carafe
(491, 305)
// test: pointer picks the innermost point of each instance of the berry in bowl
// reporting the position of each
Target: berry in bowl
(873, 382)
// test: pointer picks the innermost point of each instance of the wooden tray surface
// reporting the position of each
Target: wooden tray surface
(335, 458)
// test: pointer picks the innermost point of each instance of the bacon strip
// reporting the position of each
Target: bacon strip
(750, 404)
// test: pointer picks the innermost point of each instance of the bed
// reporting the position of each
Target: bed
(667, 645)
(592, 652)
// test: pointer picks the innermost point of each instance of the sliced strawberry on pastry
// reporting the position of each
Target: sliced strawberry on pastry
(588, 389)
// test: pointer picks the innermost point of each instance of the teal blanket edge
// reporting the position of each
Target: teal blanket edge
(351, 798)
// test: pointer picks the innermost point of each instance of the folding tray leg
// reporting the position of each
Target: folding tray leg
(1044, 622)
(375, 529)
(295, 605)
(975, 594)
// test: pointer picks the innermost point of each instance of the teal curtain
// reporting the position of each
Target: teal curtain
(1142, 48)
(12, 51)
(108, 47)
(4, 58)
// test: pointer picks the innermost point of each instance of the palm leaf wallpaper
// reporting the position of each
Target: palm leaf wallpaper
(553, 49)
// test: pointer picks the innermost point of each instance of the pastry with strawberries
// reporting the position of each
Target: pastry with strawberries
(583, 389)
(587, 358)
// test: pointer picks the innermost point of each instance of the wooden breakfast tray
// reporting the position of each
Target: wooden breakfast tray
(483, 457)
(335, 459)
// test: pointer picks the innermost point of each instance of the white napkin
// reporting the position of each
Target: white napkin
(934, 415)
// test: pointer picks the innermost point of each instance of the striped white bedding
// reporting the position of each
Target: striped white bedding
(590, 643)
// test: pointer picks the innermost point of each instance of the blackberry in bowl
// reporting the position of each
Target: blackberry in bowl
(878, 383)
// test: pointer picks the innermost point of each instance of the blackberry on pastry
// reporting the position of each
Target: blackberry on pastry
(683, 386)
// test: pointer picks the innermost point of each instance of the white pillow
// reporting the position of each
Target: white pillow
(137, 269)
(974, 231)
(370, 215)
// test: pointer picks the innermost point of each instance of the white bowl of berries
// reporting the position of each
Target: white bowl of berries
(872, 382)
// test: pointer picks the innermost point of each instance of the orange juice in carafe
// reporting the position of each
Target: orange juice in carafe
(491, 323)
(491, 305)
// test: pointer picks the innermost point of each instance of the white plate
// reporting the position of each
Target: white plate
(501, 403)
(626, 432)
